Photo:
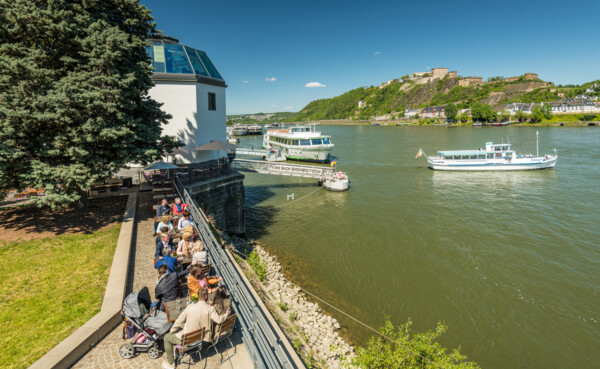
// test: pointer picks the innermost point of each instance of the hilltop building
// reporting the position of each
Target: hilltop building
(453, 74)
(526, 76)
(192, 90)
(470, 81)
(439, 71)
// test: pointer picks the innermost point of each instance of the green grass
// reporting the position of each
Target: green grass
(50, 287)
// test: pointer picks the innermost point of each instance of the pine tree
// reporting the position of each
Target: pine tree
(74, 104)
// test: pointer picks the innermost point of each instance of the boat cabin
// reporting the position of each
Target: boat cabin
(491, 152)
(302, 142)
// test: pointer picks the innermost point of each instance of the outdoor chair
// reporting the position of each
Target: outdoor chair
(191, 343)
(223, 334)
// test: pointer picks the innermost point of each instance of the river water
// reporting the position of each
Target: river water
(509, 261)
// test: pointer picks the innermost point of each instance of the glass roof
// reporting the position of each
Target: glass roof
(169, 57)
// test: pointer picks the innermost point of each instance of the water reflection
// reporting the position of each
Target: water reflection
(491, 181)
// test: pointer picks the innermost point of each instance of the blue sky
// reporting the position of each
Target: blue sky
(268, 51)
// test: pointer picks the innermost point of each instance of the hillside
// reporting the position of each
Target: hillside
(395, 96)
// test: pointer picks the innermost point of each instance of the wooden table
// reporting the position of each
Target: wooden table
(175, 308)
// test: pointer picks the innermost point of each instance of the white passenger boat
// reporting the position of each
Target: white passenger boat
(494, 157)
(233, 140)
(239, 130)
(299, 143)
(255, 129)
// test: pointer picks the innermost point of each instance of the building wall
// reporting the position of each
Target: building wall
(452, 74)
(192, 122)
(439, 71)
(531, 76)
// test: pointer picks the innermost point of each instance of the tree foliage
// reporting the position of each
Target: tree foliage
(408, 350)
(451, 111)
(481, 112)
(539, 113)
(74, 104)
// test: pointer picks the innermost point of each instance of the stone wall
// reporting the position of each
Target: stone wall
(223, 199)
(320, 330)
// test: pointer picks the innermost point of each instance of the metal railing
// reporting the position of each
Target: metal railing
(264, 343)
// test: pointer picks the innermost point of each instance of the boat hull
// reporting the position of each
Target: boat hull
(493, 166)
(338, 186)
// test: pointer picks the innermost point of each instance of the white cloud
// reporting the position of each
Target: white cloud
(271, 79)
(314, 84)
(377, 53)
(245, 81)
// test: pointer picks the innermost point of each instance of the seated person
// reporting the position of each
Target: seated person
(185, 220)
(179, 207)
(190, 228)
(194, 317)
(162, 209)
(185, 245)
(164, 230)
(167, 260)
(164, 222)
(165, 242)
(199, 255)
(221, 301)
(195, 282)
(167, 285)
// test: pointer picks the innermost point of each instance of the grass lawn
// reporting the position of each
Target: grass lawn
(50, 287)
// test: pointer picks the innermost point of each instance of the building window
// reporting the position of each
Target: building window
(212, 101)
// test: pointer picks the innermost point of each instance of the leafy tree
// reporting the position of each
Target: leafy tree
(405, 349)
(464, 117)
(74, 104)
(451, 111)
(521, 116)
(504, 116)
(481, 111)
(540, 113)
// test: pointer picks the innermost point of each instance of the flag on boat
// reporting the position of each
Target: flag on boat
(419, 153)
(334, 162)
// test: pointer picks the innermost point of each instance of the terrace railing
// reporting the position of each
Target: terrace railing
(266, 344)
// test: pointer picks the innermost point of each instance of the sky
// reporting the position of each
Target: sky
(281, 55)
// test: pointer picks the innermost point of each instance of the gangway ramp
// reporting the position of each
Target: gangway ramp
(251, 152)
(283, 169)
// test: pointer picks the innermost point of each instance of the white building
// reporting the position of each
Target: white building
(410, 112)
(574, 106)
(513, 108)
(193, 92)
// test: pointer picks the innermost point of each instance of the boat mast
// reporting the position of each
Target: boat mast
(537, 143)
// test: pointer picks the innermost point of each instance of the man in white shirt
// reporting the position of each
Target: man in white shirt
(195, 316)
(185, 220)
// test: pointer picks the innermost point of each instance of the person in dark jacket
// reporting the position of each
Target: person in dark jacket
(162, 209)
(163, 242)
(167, 285)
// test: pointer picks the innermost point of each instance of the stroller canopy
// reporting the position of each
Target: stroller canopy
(137, 304)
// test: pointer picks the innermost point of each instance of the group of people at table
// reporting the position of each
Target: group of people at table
(210, 304)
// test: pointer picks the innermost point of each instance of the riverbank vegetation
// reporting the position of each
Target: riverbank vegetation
(399, 347)
(51, 287)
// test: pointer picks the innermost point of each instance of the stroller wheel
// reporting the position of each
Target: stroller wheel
(126, 351)
(154, 352)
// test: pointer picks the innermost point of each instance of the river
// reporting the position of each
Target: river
(510, 262)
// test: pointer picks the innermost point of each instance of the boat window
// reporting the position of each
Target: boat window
(472, 156)
(316, 141)
(295, 142)
(490, 156)
(481, 156)
(304, 142)
(326, 141)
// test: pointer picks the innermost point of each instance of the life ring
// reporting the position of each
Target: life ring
(498, 155)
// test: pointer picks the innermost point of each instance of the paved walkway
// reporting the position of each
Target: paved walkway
(106, 354)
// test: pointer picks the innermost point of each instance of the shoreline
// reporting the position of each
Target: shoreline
(315, 334)
(403, 123)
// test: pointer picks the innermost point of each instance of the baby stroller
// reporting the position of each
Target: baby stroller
(144, 325)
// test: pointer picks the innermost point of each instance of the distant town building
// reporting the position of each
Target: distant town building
(526, 76)
(513, 108)
(574, 106)
(434, 112)
(410, 112)
(361, 104)
(439, 71)
(470, 81)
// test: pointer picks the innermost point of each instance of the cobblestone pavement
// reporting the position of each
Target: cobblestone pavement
(106, 354)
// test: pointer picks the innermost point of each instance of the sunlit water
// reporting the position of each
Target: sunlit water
(509, 261)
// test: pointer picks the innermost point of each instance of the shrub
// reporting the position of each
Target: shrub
(408, 350)
(259, 268)
(587, 117)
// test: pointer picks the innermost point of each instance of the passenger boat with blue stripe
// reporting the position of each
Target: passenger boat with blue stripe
(299, 143)
(494, 157)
